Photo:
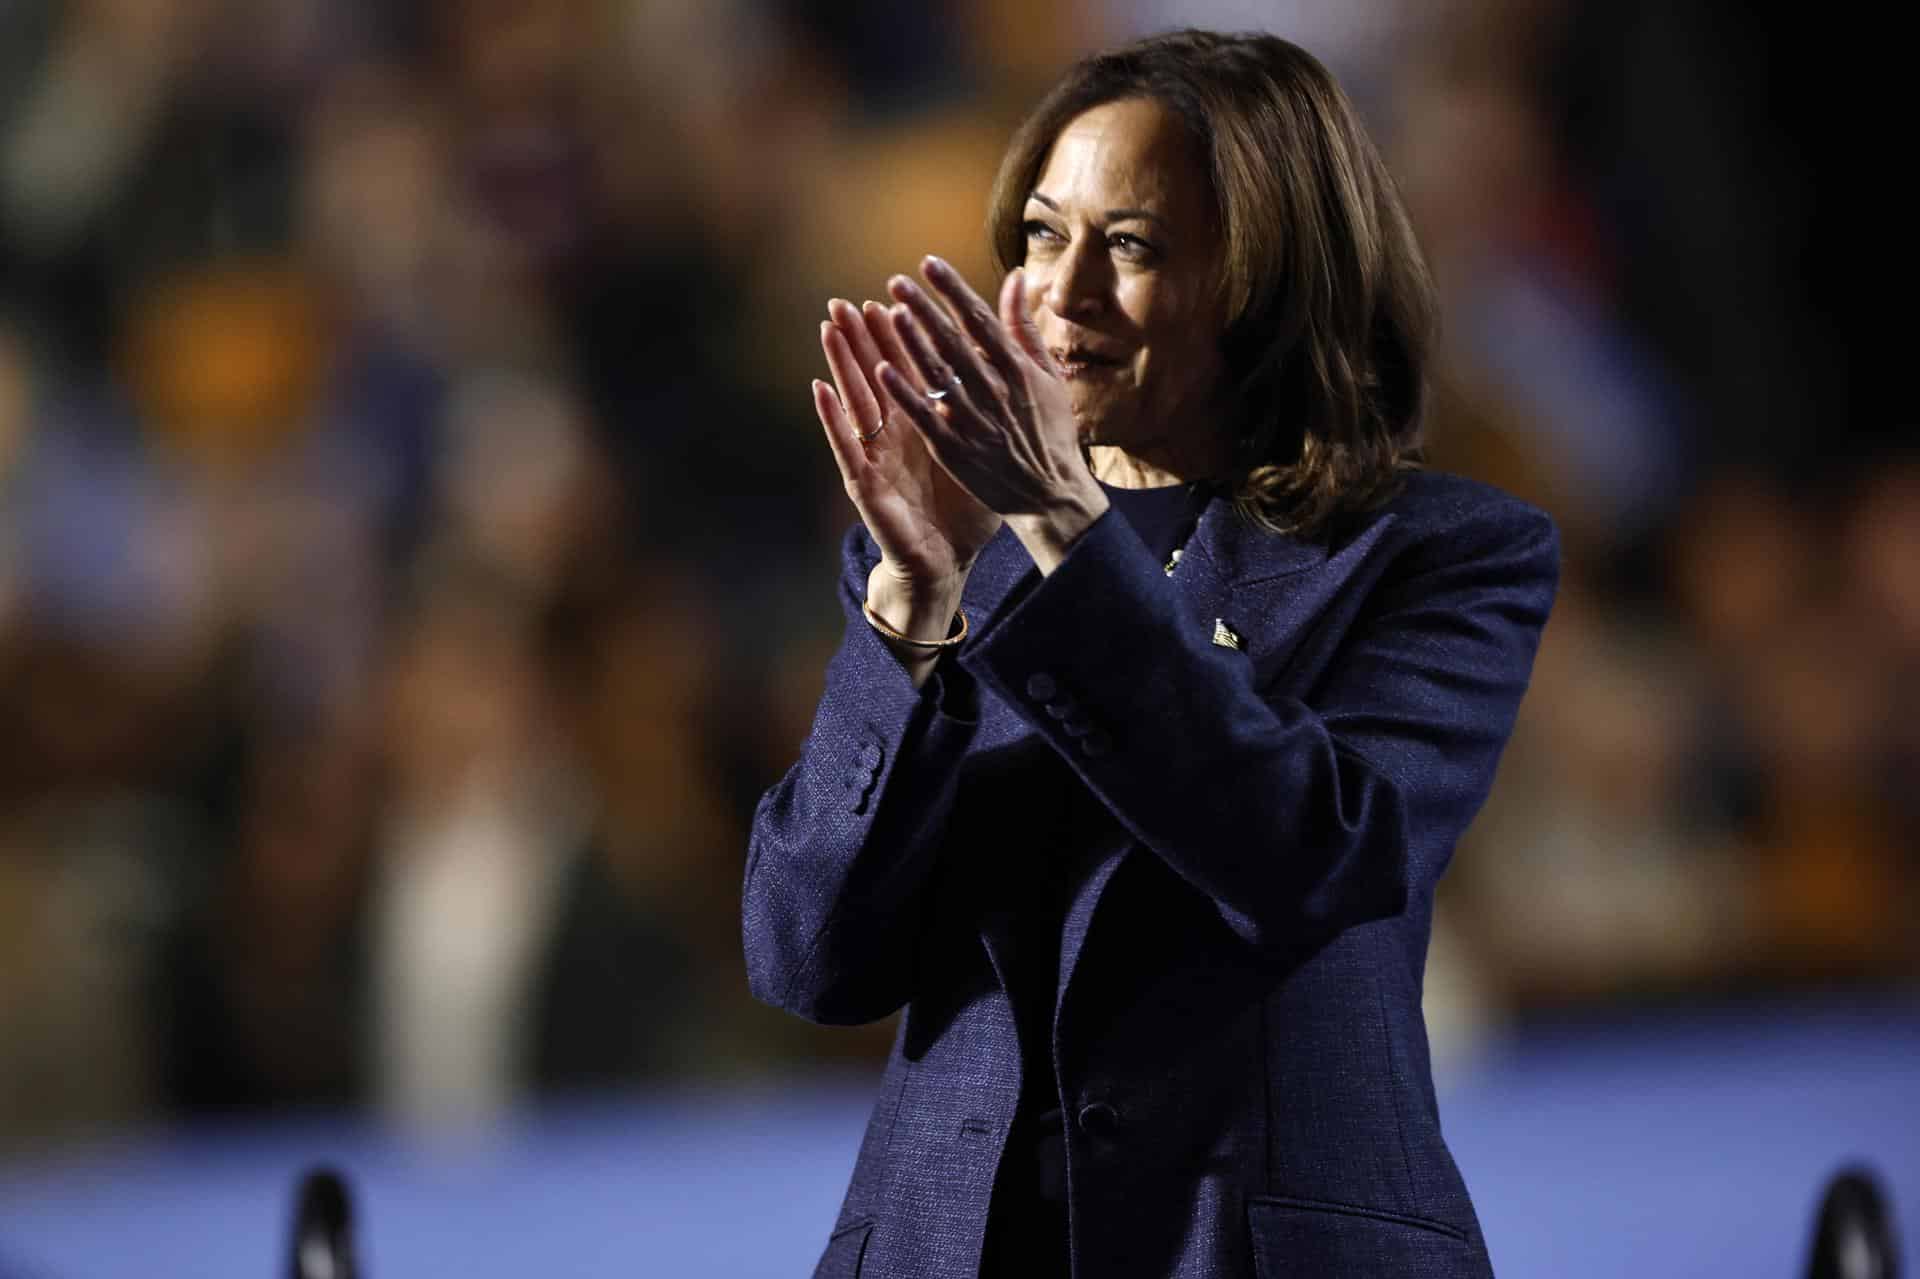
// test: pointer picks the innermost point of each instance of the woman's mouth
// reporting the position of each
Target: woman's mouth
(1078, 362)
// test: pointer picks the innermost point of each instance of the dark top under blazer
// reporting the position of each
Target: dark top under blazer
(1237, 1035)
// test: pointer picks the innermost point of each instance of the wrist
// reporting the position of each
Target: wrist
(1049, 534)
(915, 607)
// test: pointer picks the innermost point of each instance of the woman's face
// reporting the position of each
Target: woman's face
(1123, 256)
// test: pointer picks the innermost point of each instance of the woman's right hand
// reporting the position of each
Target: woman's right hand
(929, 529)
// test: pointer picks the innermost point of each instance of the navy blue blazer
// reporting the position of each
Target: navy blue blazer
(1237, 1035)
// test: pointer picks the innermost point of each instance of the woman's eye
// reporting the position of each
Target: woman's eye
(1035, 230)
(1132, 246)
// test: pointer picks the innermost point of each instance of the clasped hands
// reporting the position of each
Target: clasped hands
(944, 420)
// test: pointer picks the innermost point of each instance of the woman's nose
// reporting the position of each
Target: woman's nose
(1076, 286)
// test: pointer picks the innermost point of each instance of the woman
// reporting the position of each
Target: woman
(1139, 811)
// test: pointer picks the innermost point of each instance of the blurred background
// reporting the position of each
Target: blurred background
(416, 557)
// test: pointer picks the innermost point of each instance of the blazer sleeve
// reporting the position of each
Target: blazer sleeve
(842, 848)
(1296, 818)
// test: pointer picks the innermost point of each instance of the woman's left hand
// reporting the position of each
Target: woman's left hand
(1004, 428)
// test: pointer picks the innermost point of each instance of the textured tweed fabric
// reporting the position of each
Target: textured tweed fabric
(1236, 1036)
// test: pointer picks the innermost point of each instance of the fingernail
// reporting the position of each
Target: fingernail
(938, 265)
(900, 286)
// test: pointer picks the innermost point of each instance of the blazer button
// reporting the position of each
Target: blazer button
(1040, 687)
(1099, 1120)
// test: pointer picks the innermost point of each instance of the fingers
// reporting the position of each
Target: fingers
(936, 343)
(855, 326)
(935, 372)
(869, 335)
(1016, 318)
(847, 454)
(847, 318)
(856, 397)
(880, 332)
(933, 427)
(928, 358)
(976, 317)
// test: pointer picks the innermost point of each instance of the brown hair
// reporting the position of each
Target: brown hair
(1330, 306)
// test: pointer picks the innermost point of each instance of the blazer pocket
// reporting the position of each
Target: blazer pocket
(845, 1250)
(1307, 1239)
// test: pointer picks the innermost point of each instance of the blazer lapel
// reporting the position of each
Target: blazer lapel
(1225, 563)
(1240, 582)
(1264, 588)
(1079, 919)
(1225, 552)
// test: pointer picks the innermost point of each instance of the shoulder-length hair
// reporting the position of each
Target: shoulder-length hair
(1330, 308)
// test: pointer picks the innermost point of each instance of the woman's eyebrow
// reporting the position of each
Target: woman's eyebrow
(1113, 215)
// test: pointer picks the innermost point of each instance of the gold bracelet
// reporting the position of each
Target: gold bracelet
(873, 620)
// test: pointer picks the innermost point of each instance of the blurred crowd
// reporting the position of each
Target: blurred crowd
(416, 550)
